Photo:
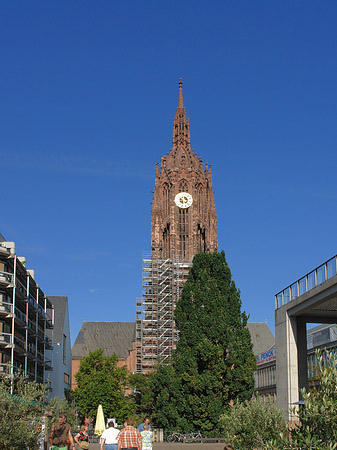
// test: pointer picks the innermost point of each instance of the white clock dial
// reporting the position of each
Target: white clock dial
(183, 200)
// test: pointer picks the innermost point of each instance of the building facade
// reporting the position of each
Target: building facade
(60, 377)
(183, 223)
(26, 315)
(112, 337)
(322, 337)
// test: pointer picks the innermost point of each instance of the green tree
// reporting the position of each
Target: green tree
(20, 412)
(214, 363)
(100, 381)
(141, 395)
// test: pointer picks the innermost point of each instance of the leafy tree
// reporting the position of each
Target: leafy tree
(214, 363)
(57, 406)
(100, 381)
(140, 385)
(20, 412)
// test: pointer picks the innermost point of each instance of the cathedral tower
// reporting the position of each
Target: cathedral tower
(183, 223)
(183, 220)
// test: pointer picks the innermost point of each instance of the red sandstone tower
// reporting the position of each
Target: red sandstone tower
(183, 223)
(183, 220)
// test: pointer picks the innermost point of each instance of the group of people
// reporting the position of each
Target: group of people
(129, 438)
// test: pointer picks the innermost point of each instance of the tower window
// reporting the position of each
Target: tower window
(183, 233)
(183, 186)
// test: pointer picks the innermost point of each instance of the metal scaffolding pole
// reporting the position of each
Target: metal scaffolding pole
(156, 332)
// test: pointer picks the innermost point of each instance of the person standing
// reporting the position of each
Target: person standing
(59, 433)
(129, 437)
(146, 422)
(82, 438)
(109, 437)
(147, 437)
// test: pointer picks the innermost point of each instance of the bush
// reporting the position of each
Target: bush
(252, 423)
(21, 411)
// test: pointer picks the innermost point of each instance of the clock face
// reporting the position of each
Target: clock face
(183, 200)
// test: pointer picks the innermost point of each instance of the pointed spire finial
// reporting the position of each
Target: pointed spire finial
(181, 99)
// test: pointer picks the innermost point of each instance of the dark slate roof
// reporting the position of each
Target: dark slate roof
(112, 337)
(60, 307)
(2, 239)
(262, 337)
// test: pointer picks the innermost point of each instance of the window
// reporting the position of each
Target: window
(66, 378)
(183, 186)
(183, 232)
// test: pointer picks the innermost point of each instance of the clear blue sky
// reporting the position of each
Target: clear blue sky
(88, 95)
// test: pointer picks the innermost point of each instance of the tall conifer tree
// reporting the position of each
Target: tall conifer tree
(214, 361)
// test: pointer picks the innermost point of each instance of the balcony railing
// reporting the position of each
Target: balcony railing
(32, 302)
(5, 338)
(20, 287)
(21, 343)
(41, 311)
(21, 316)
(311, 280)
(6, 307)
(6, 277)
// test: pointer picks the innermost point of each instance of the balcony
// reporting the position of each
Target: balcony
(5, 368)
(20, 344)
(5, 279)
(21, 290)
(32, 327)
(49, 322)
(6, 340)
(48, 365)
(3, 249)
(6, 309)
(20, 318)
(48, 343)
(32, 302)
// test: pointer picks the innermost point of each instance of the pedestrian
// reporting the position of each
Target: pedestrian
(82, 438)
(129, 437)
(146, 422)
(59, 434)
(147, 437)
(109, 437)
(40, 439)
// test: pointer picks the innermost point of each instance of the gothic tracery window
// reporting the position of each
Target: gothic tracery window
(166, 191)
(183, 186)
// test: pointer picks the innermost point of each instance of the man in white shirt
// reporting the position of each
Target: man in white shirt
(109, 437)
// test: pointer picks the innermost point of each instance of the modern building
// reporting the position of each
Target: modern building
(26, 316)
(322, 337)
(112, 337)
(60, 376)
(310, 299)
(263, 344)
(183, 223)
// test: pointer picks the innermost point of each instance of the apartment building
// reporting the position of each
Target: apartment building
(25, 316)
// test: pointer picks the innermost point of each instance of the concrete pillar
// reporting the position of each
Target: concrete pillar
(286, 361)
(302, 354)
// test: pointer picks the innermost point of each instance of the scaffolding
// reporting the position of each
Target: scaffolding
(156, 334)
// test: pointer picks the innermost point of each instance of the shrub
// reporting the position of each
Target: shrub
(252, 423)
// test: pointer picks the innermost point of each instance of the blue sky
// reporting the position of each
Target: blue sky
(88, 95)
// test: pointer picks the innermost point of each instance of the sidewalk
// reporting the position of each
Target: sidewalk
(176, 446)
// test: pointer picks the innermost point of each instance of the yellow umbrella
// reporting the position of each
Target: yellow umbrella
(100, 424)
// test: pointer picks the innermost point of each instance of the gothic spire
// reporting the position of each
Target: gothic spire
(181, 99)
(181, 129)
